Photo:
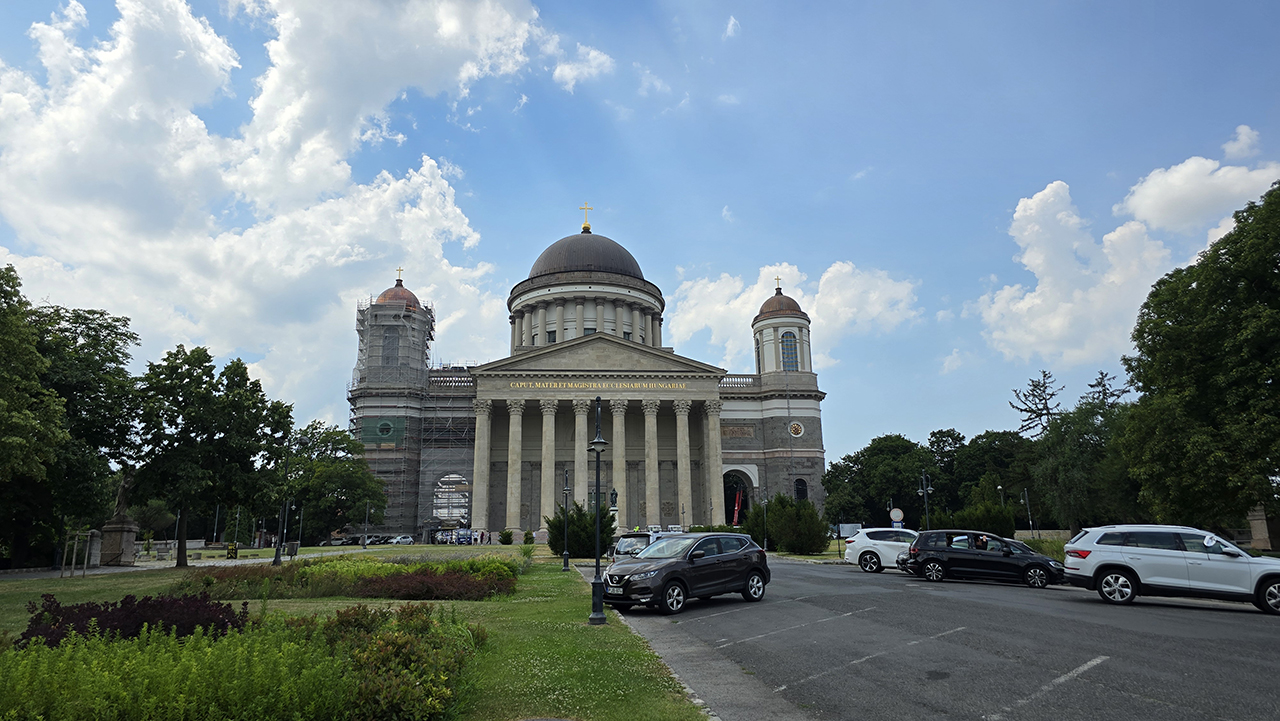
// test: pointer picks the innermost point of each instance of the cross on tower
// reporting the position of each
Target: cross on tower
(398, 272)
(584, 210)
(778, 279)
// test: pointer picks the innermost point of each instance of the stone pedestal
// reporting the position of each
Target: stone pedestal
(118, 536)
(1266, 531)
(95, 549)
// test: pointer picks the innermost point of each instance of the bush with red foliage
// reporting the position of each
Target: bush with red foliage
(427, 585)
(181, 615)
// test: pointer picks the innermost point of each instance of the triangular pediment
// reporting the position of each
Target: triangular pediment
(597, 353)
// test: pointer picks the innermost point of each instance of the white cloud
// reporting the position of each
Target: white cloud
(1194, 193)
(520, 103)
(1087, 294)
(728, 99)
(1226, 225)
(650, 82)
(1243, 145)
(621, 111)
(848, 301)
(256, 244)
(727, 214)
(731, 29)
(951, 362)
(590, 63)
(944, 316)
(862, 173)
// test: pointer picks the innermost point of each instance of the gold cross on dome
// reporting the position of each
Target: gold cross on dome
(584, 210)
(778, 279)
(398, 272)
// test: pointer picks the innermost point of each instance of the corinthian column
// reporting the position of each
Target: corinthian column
(548, 406)
(618, 407)
(480, 469)
(581, 407)
(515, 439)
(579, 321)
(715, 472)
(684, 480)
(653, 509)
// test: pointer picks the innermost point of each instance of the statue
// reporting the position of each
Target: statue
(122, 493)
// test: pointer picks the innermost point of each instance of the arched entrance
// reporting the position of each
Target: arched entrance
(737, 498)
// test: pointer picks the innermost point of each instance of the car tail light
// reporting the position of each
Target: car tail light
(847, 541)
(1078, 554)
(912, 550)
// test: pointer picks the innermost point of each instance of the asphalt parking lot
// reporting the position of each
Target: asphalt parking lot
(832, 642)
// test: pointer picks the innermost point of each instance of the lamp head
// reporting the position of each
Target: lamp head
(598, 444)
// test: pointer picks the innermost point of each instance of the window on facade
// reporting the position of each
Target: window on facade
(802, 490)
(759, 369)
(588, 331)
(551, 337)
(790, 354)
(626, 335)
(391, 347)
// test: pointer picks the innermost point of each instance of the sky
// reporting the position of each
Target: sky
(959, 195)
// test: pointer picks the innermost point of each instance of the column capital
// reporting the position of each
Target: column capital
(582, 406)
(650, 408)
(713, 407)
(548, 406)
(618, 406)
(515, 406)
(482, 406)
(682, 406)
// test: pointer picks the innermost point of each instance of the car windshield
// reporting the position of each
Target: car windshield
(628, 544)
(667, 548)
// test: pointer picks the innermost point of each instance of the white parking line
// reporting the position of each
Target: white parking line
(792, 628)
(855, 662)
(1049, 686)
(736, 610)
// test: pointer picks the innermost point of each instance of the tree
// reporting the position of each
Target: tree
(582, 531)
(1204, 436)
(32, 421)
(1037, 404)
(331, 482)
(1080, 474)
(207, 436)
(886, 472)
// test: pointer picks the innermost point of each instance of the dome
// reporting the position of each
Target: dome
(399, 294)
(779, 305)
(586, 251)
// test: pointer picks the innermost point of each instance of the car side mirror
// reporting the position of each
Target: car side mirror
(1008, 552)
(696, 555)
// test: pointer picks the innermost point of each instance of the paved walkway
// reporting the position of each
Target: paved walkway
(268, 555)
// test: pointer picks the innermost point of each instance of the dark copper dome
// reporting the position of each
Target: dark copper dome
(399, 294)
(586, 251)
(779, 305)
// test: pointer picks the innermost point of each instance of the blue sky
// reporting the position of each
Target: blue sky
(960, 195)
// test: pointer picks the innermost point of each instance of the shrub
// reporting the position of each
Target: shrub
(582, 531)
(504, 537)
(1051, 547)
(528, 538)
(989, 517)
(808, 532)
(427, 585)
(128, 617)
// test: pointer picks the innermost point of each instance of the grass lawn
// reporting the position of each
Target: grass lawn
(835, 551)
(541, 659)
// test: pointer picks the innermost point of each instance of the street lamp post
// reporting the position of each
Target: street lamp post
(597, 444)
(1001, 489)
(1026, 501)
(926, 488)
(567, 491)
(364, 540)
(284, 502)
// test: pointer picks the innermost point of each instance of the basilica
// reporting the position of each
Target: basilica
(500, 445)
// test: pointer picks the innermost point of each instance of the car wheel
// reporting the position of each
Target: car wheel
(1117, 587)
(1036, 577)
(870, 562)
(933, 571)
(754, 590)
(1269, 595)
(673, 598)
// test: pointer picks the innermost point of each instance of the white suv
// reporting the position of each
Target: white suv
(875, 548)
(1122, 562)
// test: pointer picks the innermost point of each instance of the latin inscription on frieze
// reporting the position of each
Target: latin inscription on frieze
(600, 385)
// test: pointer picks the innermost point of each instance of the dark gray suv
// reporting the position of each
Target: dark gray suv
(672, 570)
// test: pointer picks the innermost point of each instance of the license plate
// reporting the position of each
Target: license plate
(613, 590)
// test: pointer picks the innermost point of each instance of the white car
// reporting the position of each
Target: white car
(874, 548)
(1123, 562)
(402, 540)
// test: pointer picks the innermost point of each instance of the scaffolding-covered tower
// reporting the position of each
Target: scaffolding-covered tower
(387, 393)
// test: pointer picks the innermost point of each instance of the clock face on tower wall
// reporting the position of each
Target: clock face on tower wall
(796, 429)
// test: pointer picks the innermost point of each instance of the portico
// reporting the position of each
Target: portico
(657, 413)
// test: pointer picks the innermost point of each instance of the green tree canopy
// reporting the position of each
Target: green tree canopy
(330, 482)
(1204, 437)
(860, 487)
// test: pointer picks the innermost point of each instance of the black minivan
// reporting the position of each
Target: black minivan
(936, 555)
